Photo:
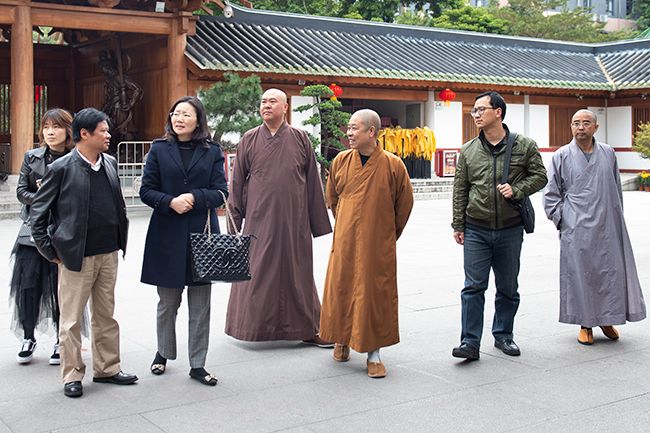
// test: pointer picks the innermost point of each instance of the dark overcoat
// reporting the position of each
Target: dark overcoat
(167, 260)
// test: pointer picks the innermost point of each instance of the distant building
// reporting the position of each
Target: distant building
(613, 13)
(609, 8)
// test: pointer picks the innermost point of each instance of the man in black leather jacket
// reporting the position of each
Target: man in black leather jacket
(82, 193)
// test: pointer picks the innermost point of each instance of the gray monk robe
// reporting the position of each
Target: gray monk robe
(276, 189)
(598, 278)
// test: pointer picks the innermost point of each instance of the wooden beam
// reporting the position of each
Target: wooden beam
(391, 83)
(7, 14)
(176, 68)
(22, 87)
(92, 18)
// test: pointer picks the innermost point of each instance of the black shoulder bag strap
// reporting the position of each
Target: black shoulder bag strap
(524, 206)
(512, 137)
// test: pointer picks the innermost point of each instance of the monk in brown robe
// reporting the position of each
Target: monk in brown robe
(276, 192)
(370, 194)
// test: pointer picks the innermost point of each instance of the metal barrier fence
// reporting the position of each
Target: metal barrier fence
(131, 156)
(5, 158)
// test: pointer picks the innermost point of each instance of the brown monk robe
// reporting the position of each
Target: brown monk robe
(371, 204)
(276, 190)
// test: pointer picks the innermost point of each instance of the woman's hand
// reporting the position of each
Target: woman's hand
(183, 203)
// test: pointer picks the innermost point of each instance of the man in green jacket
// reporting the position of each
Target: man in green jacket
(488, 226)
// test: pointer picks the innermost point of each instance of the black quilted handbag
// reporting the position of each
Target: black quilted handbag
(220, 257)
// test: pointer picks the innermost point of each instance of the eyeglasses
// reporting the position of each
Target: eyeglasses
(182, 114)
(479, 110)
(584, 123)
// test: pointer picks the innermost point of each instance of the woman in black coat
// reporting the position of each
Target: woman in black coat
(34, 278)
(183, 181)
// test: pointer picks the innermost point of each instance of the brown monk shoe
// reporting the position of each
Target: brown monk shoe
(341, 352)
(376, 370)
(586, 336)
(610, 332)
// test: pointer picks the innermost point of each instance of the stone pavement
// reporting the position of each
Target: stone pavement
(556, 385)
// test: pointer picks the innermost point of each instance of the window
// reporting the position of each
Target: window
(610, 6)
(40, 107)
(5, 109)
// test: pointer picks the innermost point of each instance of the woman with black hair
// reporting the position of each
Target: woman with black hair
(34, 279)
(183, 181)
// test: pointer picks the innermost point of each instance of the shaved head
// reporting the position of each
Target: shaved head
(363, 130)
(273, 108)
(587, 112)
(277, 94)
(369, 118)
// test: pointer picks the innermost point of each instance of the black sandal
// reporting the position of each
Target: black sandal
(204, 377)
(158, 365)
(158, 369)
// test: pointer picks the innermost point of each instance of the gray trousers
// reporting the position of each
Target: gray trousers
(198, 301)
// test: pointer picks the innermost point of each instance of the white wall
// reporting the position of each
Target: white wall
(632, 160)
(448, 125)
(430, 111)
(515, 117)
(619, 126)
(539, 124)
(297, 118)
(601, 114)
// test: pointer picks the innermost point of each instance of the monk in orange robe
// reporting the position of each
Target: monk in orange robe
(370, 195)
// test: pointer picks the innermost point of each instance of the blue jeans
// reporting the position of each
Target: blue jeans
(500, 251)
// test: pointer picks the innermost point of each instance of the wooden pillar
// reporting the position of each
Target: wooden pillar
(176, 69)
(22, 86)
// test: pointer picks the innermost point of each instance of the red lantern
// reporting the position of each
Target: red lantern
(337, 90)
(37, 94)
(447, 95)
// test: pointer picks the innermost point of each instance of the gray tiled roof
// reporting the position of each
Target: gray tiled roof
(261, 41)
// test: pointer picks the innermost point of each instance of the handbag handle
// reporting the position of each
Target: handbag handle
(208, 229)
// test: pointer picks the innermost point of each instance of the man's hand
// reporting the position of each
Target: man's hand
(459, 237)
(183, 203)
(505, 189)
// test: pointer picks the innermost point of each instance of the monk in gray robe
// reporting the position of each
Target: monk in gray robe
(599, 285)
(276, 192)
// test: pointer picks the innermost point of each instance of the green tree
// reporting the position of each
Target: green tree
(375, 10)
(641, 13)
(437, 8)
(642, 140)
(330, 118)
(419, 18)
(232, 107)
(310, 7)
(471, 19)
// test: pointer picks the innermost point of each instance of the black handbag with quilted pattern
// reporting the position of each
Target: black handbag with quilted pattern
(220, 257)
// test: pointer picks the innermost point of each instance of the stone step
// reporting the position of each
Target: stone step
(434, 181)
(432, 196)
(433, 188)
(423, 189)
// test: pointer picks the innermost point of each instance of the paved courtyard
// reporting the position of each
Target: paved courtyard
(556, 385)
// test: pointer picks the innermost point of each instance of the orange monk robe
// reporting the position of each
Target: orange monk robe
(371, 204)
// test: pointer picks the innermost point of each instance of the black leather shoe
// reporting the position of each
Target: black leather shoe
(507, 346)
(120, 378)
(465, 351)
(73, 389)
